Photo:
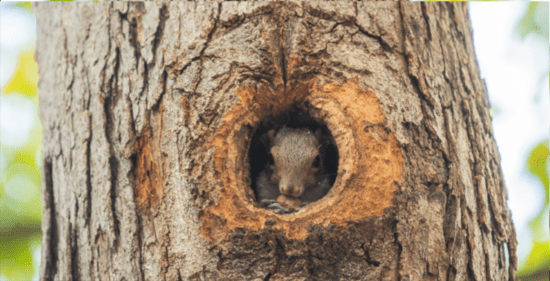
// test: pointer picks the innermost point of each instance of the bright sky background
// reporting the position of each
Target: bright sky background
(511, 68)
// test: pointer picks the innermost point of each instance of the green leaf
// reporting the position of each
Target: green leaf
(25, 78)
(537, 260)
(16, 261)
(537, 225)
(535, 21)
(25, 6)
(538, 166)
(10, 215)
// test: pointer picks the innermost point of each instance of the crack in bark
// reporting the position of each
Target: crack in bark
(88, 202)
(49, 266)
(201, 53)
(113, 166)
(416, 84)
(88, 175)
(179, 275)
(426, 20)
(279, 255)
(211, 32)
(164, 14)
(284, 64)
(399, 248)
(140, 244)
(368, 258)
(75, 257)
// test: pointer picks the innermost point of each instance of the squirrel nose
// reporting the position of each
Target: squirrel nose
(286, 189)
(290, 190)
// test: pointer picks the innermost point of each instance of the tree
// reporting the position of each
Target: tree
(149, 111)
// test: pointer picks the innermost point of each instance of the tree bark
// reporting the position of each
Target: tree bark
(149, 111)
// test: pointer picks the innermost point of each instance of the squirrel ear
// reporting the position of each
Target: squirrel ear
(267, 138)
(318, 133)
(271, 135)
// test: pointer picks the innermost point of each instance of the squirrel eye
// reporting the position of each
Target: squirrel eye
(316, 162)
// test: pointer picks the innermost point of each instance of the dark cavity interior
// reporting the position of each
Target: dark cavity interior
(259, 157)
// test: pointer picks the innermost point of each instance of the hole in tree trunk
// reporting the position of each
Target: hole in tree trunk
(293, 161)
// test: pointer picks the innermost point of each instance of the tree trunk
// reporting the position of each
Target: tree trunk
(150, 111)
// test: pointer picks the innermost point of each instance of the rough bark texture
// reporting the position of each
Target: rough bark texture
(148, 110)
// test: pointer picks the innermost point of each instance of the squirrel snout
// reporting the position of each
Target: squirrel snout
(291, 190)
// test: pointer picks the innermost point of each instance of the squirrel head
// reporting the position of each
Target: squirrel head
(296, 159)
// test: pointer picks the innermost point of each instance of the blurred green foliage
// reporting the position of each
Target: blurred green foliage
(24, 77)
(25, 6)
(537, 265)
(20, 202)
(537, 165)
(535, 23)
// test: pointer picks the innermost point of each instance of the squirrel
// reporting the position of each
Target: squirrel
(295, 174)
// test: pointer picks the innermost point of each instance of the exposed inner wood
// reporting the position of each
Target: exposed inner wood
(369, 171)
